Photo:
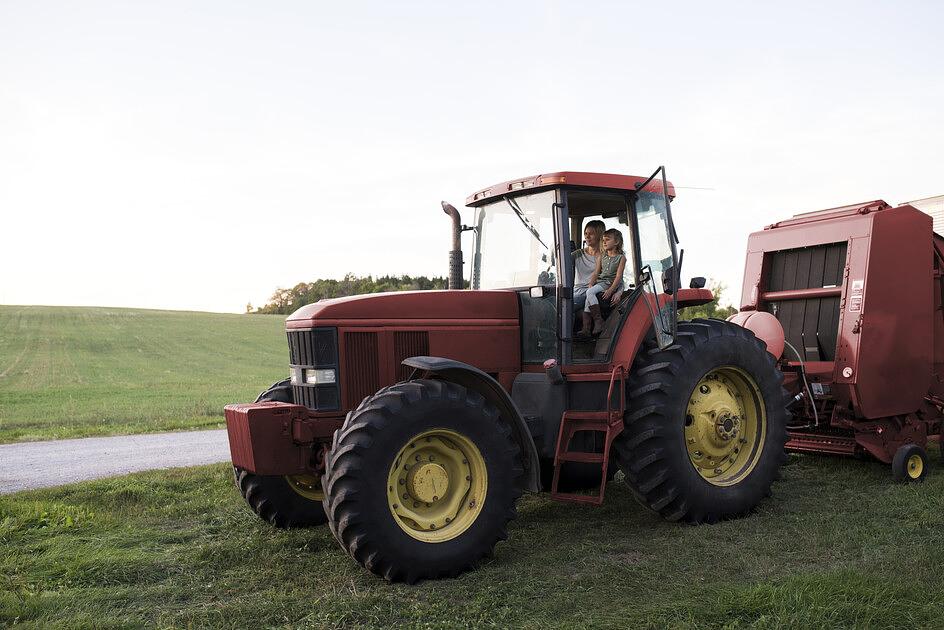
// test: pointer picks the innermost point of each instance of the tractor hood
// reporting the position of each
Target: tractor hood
(409, 308)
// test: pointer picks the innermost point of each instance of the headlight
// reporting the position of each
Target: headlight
(320, 377)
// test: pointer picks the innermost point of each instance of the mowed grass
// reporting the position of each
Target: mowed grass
(838, 545)
(75, 371)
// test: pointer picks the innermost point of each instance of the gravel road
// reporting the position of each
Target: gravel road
(57, 462)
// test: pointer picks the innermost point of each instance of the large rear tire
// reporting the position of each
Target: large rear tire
(422, 480)
(706, 423)
(286, 502)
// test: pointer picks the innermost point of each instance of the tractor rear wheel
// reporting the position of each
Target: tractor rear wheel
(284, 501)
(422, 480)
(705, 429)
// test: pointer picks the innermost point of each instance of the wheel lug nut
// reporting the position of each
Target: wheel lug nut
(704, 389)
(402, 481)
(432, 457)
(406, 496)
(468, 477)
(416, 504)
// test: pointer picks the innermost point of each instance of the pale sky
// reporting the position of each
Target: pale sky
(198, 155)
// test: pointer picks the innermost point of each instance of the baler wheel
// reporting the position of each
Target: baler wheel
(705, 427)
(286, 502)
(422, 480)
(910, 464)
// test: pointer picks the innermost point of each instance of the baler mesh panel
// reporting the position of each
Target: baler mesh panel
(812, 325)
(408, 344)
(361, 366)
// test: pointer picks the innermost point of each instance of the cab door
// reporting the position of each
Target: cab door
(657, 261)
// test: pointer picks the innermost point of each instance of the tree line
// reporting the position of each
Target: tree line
(286, 301)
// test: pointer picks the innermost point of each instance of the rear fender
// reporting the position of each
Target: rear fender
(639, 322)
(475, 379)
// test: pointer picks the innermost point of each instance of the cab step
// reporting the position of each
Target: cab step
(609, 423)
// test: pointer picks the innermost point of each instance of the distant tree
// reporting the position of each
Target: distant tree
(248, 307)
(712, 309)
(285, 301)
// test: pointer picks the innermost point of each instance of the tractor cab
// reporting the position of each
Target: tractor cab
(526, 233)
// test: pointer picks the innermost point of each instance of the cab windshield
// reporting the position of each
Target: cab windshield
(514, 244)
(654, 234)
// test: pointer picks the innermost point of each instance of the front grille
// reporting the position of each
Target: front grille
(361, 365)
(408, 344)
(315, 348)
(317, 397)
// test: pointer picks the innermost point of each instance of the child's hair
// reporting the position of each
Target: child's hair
(617, 236)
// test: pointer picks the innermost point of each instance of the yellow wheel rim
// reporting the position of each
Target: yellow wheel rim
(436, 486)
(309, 486)
(725, 426)
(915, 466)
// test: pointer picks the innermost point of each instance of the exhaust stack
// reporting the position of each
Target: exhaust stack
(455, 256)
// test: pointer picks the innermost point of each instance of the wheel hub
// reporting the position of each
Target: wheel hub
(437, 485)
(727, 426)
(724, 425)
(308, 486)
(427, 482)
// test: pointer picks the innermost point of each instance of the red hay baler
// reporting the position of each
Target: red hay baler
(853, 297)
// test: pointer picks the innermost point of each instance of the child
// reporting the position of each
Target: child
(606, 280)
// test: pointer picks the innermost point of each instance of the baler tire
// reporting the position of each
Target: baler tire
(910, 464)
(272, 497)
(361, 498)
(652, 451)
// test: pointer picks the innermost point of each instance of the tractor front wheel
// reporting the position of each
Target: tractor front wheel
(286, 502)
(706, 425)
(422, 480)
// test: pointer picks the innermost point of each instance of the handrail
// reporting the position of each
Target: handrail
(609, 392)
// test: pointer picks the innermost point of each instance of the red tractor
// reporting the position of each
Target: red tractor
(412, 422)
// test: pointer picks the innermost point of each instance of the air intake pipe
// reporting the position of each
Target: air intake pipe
(455, 256)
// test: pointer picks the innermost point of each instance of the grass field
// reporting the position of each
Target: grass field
(72, 371)
(838, 545)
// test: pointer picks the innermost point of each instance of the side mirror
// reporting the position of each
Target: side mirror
(537, 293)
(668, 280)
(697, 283)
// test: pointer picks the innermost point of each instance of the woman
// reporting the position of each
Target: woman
(607, 280)
(585, 263)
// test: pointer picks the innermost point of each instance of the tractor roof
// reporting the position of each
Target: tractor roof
(568, 178)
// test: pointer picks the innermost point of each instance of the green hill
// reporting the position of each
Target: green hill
(77, 371)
